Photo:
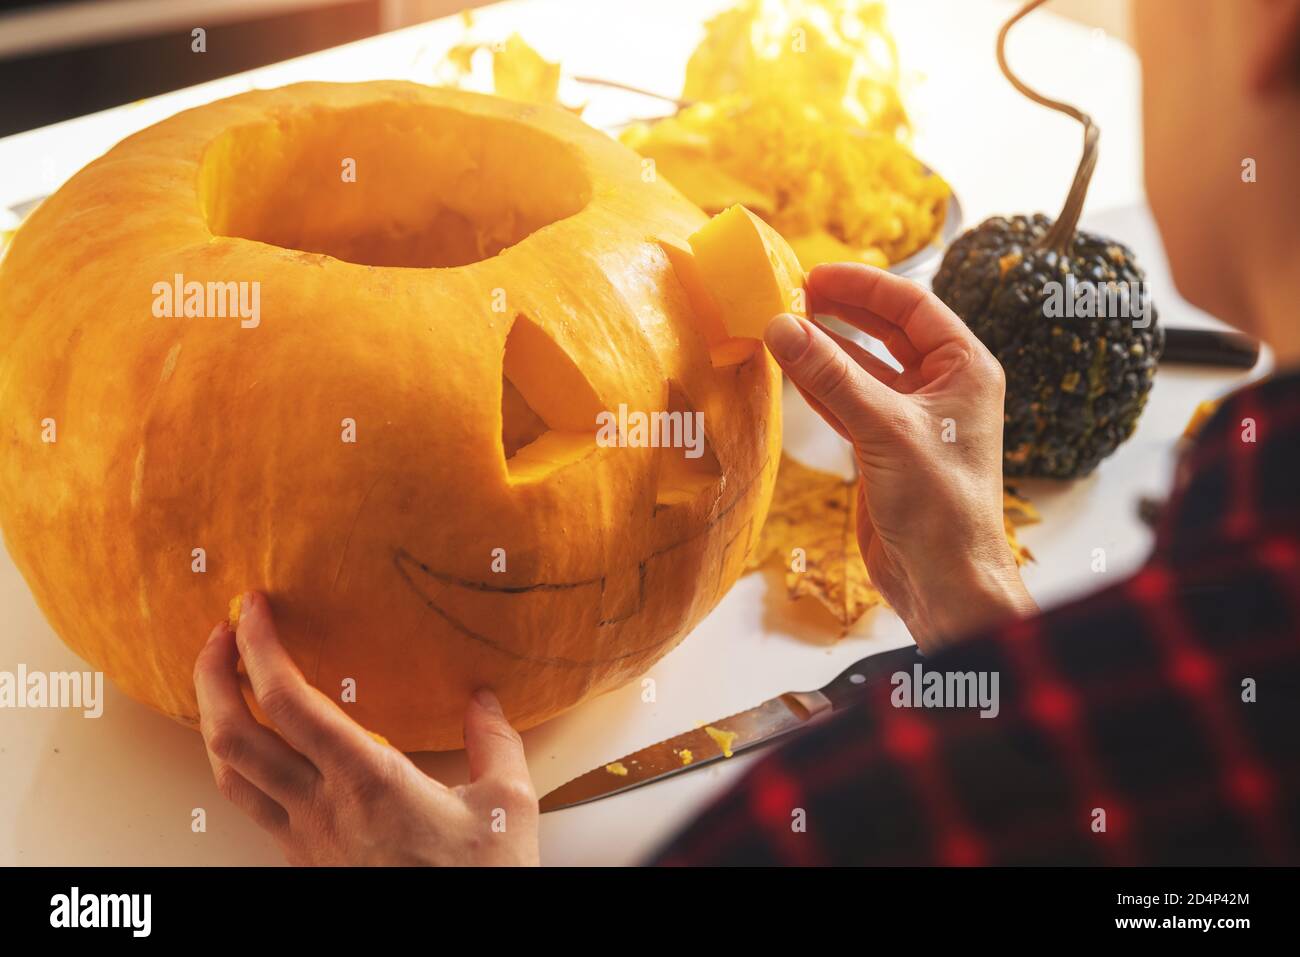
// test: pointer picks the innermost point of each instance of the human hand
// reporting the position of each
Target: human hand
(328, 792)
(928, 443)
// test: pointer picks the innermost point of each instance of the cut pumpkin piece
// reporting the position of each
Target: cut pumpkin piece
(819, 247)
(732, 352)
(548, 408)
(750, 271)
(707, 313)
(548, 380)
(723, 350)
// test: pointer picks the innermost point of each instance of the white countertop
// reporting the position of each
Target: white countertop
(121, 789)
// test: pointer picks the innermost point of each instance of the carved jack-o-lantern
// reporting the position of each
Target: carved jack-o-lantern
(349, 344)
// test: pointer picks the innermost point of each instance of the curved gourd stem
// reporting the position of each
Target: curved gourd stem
(1061, 234)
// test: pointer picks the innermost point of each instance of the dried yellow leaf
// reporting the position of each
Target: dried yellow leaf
(520, 73)
(811, 530)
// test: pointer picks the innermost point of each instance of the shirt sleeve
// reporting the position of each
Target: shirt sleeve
(1120, 736)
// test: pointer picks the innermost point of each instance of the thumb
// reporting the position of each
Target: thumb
(826, 375)
(492, 746)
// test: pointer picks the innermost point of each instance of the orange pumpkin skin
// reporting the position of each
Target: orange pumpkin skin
(388, 302)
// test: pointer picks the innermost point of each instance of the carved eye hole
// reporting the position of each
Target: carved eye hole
(683, 477)
(548, 408)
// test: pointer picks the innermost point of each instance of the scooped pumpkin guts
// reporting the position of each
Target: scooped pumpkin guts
(464, 308)
(750, 271)
(723, 739)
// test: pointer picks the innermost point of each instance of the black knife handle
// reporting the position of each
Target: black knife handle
(861, 676)
(1210, 347)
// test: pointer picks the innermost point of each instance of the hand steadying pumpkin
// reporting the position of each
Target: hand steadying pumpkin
(928, 442)
(329, 792)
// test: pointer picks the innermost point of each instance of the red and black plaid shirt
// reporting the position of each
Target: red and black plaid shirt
(1170, 702)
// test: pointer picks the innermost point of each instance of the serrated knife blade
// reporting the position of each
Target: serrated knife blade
(758, 726)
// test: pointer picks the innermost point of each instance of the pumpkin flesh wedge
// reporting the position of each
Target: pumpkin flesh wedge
(750, 271)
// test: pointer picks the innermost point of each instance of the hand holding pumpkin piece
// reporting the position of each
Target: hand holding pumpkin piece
(328, 791)
(928, 444)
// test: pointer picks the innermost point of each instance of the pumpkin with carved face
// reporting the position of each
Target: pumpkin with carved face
(350, 345)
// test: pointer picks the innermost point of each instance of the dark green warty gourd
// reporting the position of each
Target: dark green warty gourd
(1076, 385)
(1077, 379)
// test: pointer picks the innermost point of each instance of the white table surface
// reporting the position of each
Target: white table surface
(121, 789)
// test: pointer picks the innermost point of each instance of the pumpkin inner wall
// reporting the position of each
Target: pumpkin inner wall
(433, 187)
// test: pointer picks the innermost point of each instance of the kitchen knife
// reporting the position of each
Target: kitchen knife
(1214, 348)
(1210, 347)
(758, 726)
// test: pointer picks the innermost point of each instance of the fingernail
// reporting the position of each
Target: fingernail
(246, 604)
(487, 699)
(787, 337)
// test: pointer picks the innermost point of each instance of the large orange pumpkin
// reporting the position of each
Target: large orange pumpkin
(398, 443)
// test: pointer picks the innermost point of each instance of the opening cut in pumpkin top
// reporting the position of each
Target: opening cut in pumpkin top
(391, 184)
